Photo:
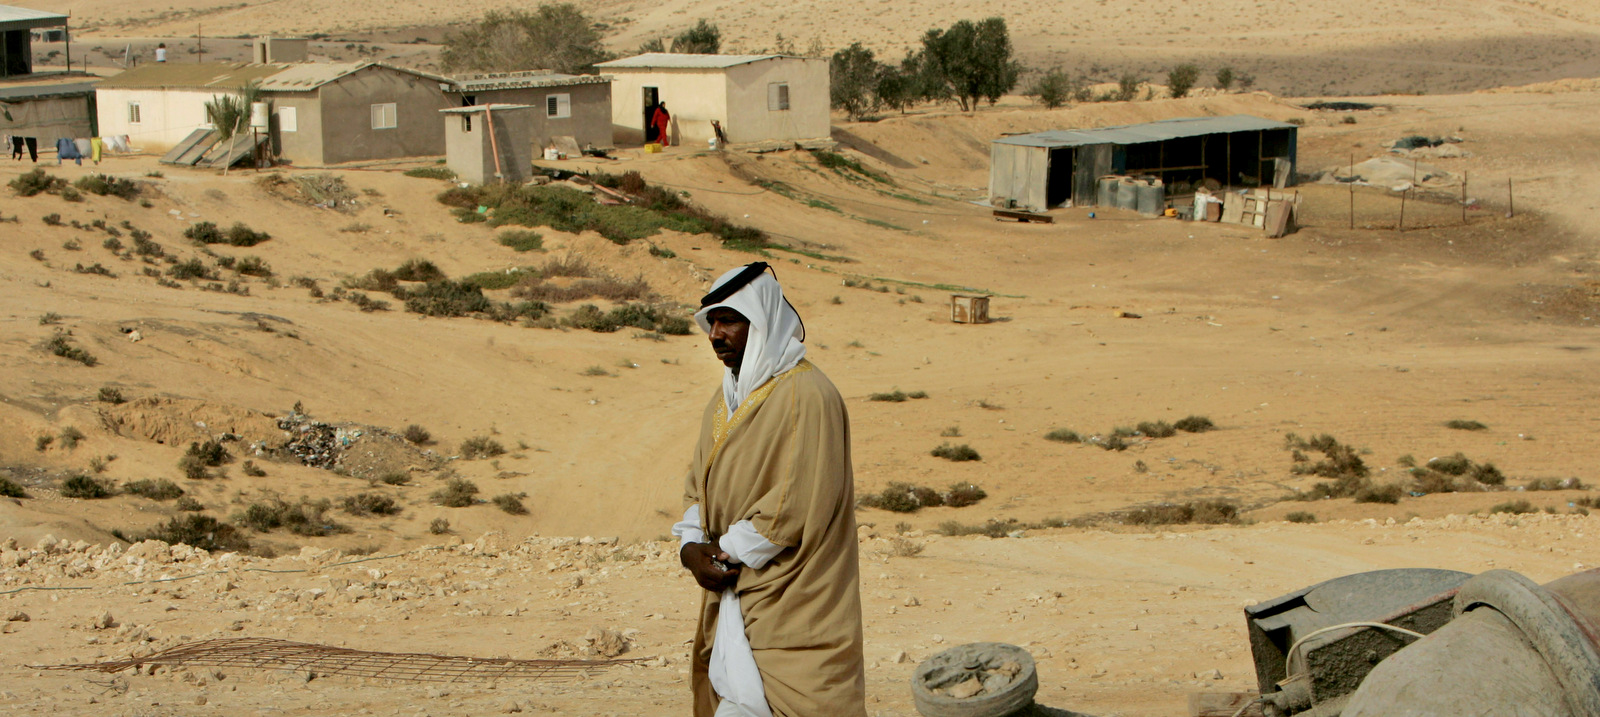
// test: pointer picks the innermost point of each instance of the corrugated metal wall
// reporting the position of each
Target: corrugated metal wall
(1019, 174)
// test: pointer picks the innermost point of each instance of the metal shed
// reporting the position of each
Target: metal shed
(1048, 169)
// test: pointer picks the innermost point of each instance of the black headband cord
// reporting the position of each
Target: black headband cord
(742, 279)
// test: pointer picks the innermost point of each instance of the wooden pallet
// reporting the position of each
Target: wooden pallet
(1024, 217)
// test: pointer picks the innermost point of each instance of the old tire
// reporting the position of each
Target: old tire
(935, 671)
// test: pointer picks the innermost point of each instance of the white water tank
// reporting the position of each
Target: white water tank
(259, 115)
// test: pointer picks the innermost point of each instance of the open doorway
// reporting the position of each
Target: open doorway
(1058, 186)
(652, 99)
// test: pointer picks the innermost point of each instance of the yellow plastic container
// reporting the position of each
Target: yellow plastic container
(652, 148)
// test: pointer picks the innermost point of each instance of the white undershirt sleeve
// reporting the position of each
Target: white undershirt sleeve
(744, 545)
(688, 530)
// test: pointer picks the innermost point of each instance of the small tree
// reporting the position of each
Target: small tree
(653, 45)
(1224, 78)
(971, 61)
(1054, 89)
(556, 37)
(702, 39)
(894, 88)
(1128, 87)
(231, 113)
(853, 79)
(1181, 79)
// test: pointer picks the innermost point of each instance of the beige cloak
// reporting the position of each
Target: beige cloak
(782, 462)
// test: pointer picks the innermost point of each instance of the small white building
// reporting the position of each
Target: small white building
(756, 98)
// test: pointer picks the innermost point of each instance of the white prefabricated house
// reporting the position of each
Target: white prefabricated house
(755, 98)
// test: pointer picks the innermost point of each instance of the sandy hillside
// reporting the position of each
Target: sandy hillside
(1373, 335)
(1363, 47)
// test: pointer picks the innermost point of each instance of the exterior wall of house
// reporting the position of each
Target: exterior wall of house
(693, 98)
(750, 116)
(297, 127)
(471, 155)
(347, 131)
(51, 118)
(590, 120)
(165, 116)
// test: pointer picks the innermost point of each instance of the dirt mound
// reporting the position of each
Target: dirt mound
(177, 421)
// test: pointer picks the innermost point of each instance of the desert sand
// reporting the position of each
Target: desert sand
(1374, 335)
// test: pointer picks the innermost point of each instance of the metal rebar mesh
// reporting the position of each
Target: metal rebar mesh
(324, 660)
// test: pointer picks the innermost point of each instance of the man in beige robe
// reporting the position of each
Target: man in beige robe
(769, 524)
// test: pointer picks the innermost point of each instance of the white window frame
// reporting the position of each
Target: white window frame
(135, 112)
(385, 115)
(777, 96)
(558, 106)
(288, 119)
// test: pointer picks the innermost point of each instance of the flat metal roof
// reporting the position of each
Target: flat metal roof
(675, 61)
(474, 109)
(39, 90)
(21, 18)
(523, 80)
(1148, 132)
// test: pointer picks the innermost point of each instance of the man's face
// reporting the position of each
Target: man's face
(730, 331)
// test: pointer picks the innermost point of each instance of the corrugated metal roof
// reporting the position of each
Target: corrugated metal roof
(523, 79)
(36, 90)
(307, 76)
(21, 18)
(674, 61)
(273, 77)
(200, 75)
(1148, 132)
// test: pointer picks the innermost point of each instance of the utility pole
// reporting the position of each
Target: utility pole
(200, 42)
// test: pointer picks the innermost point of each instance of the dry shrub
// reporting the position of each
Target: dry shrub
(896, 497)
(962, 495)
(510, 503)
(1194, 424)
(457, 493)
(199, 531)
(1300, 516)
(417, 435)
(303, 518)
(1515, 507)
(364, 504)
(1200, 512)
(439, 526)
(160, 489)
(1063, 435)
(1389, 494)
(958, 453)
(1156, 429)
(83, 487)
(11, 489)
(905, 548)
(481, 447)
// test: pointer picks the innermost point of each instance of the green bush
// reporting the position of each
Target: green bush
(447, 298)
(188, 504)
(958, 453)
(105, 184)
(60, 346)
(1181, 79)
(1194, 424)
(521, 240)
(236, 235)
(434, 172)
(457, 493)
(252, 266)
(896, 497)
(639, 316)
(82, 486)
(160, 489)
(1300, 516)
(11, 489)
(418, 270)
(191, 269)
